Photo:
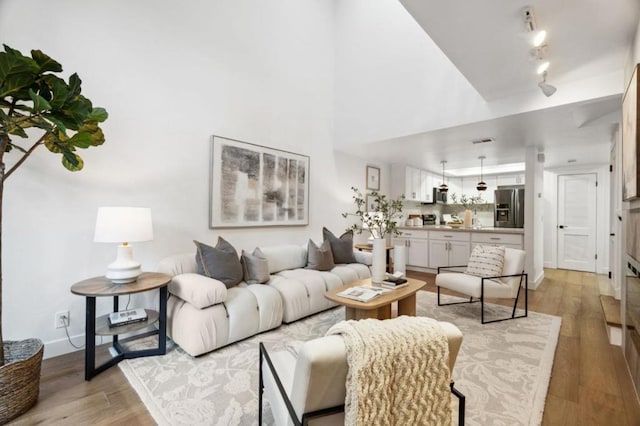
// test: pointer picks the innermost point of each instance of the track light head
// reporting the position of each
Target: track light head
(546, 88)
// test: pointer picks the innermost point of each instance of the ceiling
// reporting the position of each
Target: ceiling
(486, 42)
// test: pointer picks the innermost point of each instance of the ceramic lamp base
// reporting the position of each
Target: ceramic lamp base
(124, 269)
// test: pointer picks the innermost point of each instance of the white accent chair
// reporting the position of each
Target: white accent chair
(505, 286)
(310, 389)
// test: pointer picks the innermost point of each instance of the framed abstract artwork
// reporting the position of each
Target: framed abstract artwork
(630, 140)
(253, 185)
(373, 178)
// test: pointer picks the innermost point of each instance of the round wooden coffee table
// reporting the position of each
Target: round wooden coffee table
(380, 306)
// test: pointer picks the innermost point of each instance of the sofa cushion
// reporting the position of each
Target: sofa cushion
(198, 290)
(255, 267)
(342, 248)
(284, 257)
(319, 258)
(220, 262)
(486, 261)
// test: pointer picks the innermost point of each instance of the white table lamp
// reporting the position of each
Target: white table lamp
(123, 225)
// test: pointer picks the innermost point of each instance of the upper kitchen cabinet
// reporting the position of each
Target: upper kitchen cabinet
(507, 180)
(415, 184)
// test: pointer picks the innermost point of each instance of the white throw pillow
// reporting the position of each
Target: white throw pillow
(486, 261)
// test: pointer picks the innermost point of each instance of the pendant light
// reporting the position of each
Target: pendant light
(482, 185)
(443, 188)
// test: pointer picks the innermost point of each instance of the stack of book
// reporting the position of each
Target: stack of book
(394, 282)
(117, 319)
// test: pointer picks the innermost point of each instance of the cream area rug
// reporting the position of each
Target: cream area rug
(503, 369)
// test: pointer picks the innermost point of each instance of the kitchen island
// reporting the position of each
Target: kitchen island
(431, 246)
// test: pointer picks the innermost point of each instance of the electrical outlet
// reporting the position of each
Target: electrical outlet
(61, 319)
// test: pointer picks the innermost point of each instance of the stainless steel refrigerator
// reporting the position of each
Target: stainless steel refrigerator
(509, 207)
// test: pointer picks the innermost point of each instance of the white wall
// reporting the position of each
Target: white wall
(170, 75)
(533, 220)
(391, 78)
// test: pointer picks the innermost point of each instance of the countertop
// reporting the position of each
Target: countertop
(488, 229)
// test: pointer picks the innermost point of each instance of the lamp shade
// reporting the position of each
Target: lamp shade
(123, 224)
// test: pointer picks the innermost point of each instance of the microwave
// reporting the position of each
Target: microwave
(439, 197)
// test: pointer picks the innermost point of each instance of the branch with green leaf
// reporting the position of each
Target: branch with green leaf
(381, 220)
(468, 202)
(32, 98)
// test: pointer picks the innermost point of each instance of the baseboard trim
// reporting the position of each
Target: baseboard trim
(59, 347)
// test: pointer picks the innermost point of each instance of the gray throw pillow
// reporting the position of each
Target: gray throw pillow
(319, 258)
(342, 248)
(255, 267)
(220, 262)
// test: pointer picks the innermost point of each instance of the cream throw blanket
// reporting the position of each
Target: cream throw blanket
(398, 372)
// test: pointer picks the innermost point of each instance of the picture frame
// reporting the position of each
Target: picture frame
(630, 139)
(373, 178)
(371, 203)
(256, 186)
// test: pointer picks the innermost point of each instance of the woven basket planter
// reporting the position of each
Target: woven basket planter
(19, 377)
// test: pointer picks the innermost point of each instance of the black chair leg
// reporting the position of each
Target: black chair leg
(461, 403)
(260, 391)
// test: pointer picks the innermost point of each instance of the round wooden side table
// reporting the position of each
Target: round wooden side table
(103, 287)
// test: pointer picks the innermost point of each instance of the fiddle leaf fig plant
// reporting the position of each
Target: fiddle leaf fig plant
(37, 104)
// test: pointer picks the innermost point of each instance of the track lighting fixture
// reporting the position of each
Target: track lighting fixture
(537, 39)
(546, 88)
(443, 188)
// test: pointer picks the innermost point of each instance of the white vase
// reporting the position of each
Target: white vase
(379, 261)
(400, 259)
(467, 219)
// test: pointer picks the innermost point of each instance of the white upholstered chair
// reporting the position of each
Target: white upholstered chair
(505, 285)
(310, 389)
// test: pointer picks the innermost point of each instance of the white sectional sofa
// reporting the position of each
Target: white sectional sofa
(203, 314)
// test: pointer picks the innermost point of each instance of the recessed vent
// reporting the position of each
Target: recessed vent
(573, 160)
(483, 140)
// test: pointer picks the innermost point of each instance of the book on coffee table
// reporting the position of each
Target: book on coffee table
(362, 293)
(393, 282)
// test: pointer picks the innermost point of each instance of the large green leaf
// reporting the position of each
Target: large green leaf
(81, 140)
(39, 103)
(72, 161)
(97, 115)
(77, 111)
(75, 85)
(13, 85)
(45, 62)
(59, 124)
(14, 62)
(59, 90)
(97, 137)
(51, 143)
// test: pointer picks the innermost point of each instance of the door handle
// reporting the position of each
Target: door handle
(561, 226)
(612, 235)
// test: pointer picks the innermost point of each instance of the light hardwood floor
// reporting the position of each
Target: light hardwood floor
(589, 384)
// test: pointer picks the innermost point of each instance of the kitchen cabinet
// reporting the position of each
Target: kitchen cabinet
(448, 248)
(417, 246)
(426, 186)
(414, 183)
(496, 239)
(513, 179)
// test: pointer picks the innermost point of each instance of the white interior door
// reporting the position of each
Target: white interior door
(577, 222)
